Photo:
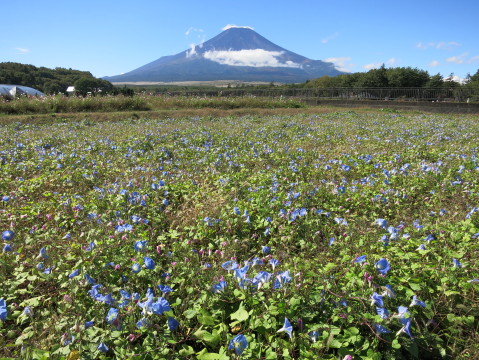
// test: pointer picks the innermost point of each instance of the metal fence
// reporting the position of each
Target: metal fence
(396, 94)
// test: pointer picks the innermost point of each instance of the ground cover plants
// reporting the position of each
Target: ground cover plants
(341, 235)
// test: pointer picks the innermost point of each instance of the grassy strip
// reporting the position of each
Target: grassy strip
(59, 104)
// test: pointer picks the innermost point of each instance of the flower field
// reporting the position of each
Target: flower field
(340, 235)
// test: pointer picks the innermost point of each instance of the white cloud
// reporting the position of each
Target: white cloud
(442, 45)
(473, 60)
(192, 51)
(329, 38)
(192, 29)
(372, 66)
(459, 59)
(391, 61)
(341, 63)
(255, 58)
(229, 26)
(377, 65)
(22, 50)
(434, 63)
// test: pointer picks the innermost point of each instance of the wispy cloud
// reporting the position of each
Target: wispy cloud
(191, 51)
(473, 60)
(192, 29)
(22, 51)
(255, 58)
(329, 38)
(459, 59)
(434, 63)
(441, 45)
(377, 65)
(342, 63)
(229, 26)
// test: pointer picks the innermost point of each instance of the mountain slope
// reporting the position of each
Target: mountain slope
(234, 54)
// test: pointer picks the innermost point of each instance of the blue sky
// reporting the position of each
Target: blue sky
(111, 37)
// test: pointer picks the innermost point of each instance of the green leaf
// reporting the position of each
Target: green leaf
(395, 344)
(205, 355)
(240, 315)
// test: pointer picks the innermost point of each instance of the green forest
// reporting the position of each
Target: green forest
(51, 81)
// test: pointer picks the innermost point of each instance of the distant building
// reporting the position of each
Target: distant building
(71, 91)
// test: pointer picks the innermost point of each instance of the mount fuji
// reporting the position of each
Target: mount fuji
(237, 53)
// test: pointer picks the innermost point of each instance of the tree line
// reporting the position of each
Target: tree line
(51, 81)
(398, 77)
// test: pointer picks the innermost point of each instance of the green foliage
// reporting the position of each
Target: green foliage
(198, 195)
(382, 77)
(49, 81)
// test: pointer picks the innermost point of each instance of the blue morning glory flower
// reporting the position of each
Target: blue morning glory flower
(230, 265)
(165, 289)
(236, 210)
(136, 268)
(219, 287)
(89, 324)
(74, 273)
(42, 254)
(112, 315)
(160, 306)
(102, 347)
(416, 301)
(240, 274)
(3, 310)
(406, 328)
(287, 328)
(8, 235)
(89, 279)
(281, 279)
(388, 291)
(360, 259)
(143, 323)
(382, 312)
(456, 263)
(265, 250)
(382, 266)
(173, 324)
(140, 245)
(149, 263)
(314, 335)
(381, 223)
(257, 261)
(377, 299)
(381, 329)
(421, 247)
(7, 248)
(274, 263)
(238, 344)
